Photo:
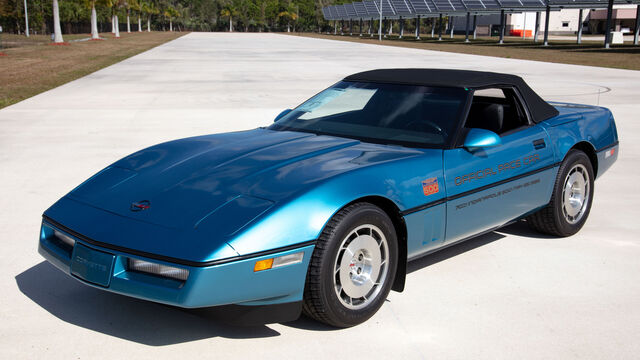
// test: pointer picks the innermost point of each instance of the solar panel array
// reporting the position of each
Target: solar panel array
(420, 7)
(326, 13)
(351, 11)
(481, 5)
(401, 7)
(334, 12)
(371, 7)
(342, 12)
(412, 8)
(387, 8)
(361, 11)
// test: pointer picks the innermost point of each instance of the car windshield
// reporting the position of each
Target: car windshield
(382, 113)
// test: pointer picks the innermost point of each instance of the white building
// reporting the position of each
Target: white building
(563, 22)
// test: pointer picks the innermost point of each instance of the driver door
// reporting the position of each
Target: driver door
(488, 187)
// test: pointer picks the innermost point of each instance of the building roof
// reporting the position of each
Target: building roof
(539, 109)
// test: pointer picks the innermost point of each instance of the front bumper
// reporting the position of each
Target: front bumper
(227, 283)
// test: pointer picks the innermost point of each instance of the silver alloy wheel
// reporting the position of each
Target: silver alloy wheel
(361, 266)
(575, 194)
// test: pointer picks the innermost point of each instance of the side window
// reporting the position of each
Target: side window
(496, 109)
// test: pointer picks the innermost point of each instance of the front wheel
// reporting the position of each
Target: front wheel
(352, 267)
(571, 199)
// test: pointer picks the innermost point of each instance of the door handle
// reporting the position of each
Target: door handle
(539, 144)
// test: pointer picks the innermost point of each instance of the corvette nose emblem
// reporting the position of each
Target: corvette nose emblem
(140, 205)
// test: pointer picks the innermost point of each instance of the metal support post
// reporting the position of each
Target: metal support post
(536, 29)
(466, 33)
(475, 18)
(451, 26)
(433, 26)
(607, 33)
(636, 32)
(546, 26)
(501, 41)
(26, 19)
(579, 39)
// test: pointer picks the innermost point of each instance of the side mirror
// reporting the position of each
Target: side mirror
(480, 138)
(283, 113)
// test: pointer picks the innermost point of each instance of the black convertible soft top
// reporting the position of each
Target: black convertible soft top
(539, 109)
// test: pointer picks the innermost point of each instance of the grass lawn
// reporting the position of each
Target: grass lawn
(32, 65)
(591, 53)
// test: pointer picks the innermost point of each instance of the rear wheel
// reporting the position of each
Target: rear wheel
(571, 199)
(352, 267)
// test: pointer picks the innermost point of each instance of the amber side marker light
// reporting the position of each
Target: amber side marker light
(279, 261)
(265, 264)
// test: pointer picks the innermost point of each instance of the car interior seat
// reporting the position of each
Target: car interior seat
(486, 116)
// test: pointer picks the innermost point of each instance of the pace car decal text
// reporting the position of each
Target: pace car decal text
(430, 186)
(481, 174)
(496, 194)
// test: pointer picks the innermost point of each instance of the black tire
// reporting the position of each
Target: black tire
(321, 298)
(552, 219)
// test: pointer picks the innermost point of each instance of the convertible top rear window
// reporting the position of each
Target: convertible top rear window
(383, 113)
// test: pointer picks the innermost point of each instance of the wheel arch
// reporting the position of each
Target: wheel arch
(587, 148)
(392, 210)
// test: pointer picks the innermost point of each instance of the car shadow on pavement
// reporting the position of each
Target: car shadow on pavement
(520, 228)
(121, 316)
(452, 251)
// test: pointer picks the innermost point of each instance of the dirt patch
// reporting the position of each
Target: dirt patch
(31, 66)
(624, 56)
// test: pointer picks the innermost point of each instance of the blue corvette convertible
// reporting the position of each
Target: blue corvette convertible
(320, 212)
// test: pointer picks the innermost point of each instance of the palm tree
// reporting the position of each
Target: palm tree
(229, 11)
(110, 4)
(127, 5)
(150, 9)
(114, 5)
(57, 32)
(91, 4)
(137, 6)
(170, 13)
(290, 14)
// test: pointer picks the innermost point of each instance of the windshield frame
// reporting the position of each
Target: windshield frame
(448, 144)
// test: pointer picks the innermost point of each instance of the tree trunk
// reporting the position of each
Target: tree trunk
(230, 24)
(57, 37)
(113, 24)
(149, 24)
(170, 25)
(128, 22)
(117, 26)
(94, 22)
(139, 24)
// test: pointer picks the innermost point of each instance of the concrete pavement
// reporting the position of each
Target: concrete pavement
(508, 294)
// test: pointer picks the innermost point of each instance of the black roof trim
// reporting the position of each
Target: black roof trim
(539, 109)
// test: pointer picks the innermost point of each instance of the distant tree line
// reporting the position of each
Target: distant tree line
(191, 15)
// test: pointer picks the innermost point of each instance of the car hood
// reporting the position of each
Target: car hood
(225, 179)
